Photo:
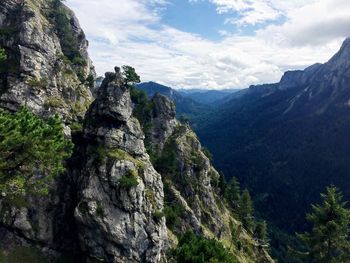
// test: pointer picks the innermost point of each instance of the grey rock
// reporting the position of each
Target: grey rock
(37, 74)
(117, 223)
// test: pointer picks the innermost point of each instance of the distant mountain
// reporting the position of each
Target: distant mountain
(184, 105)
(287, 141)
(208, 97)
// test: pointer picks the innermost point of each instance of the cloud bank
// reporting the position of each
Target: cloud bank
(289, 35)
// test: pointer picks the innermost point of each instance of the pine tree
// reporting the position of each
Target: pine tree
(260, 232)
(31, 152)
(246, 210)
(233, 193)
(130, 75)
(328, 241)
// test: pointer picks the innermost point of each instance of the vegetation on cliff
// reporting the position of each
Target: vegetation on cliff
(32, 151)
(197, 249)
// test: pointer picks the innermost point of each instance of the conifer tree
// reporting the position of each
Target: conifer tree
(130, 75)
(233, 193)
(328, 241)
(260, 232)
(246, 210)
(31, 152)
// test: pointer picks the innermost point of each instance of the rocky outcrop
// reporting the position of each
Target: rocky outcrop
(121, 194)
(191, 183)
(48, 68)
(40, 74)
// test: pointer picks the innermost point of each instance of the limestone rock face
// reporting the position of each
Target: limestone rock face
(163, 119)
(38, 72)
(191, 182)
(118, 221)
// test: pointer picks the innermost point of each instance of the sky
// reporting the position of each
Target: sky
(212, 44)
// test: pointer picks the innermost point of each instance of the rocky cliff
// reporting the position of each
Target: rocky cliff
(48, 70)
(47, 66)
(120, 193)
(193, 201)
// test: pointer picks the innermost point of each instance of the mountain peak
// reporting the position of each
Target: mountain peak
(341, 60)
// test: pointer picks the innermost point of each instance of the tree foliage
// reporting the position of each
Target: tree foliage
(246, 210)
(328, 241)
(233, 193)
(196, 249)
(3, 55)
(68, 39)
(31, 152)
(130, 75)
(260, 232)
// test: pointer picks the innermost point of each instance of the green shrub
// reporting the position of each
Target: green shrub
(7, 31)
(173, 213)
(158, 215)
(166, 163)
(119, 154)
(76, 127)
(54, 102)
(23, 255)
(40, 83)
(3, 55)
(207, 153)
(129, 180)
(100, 211)
(90, 80)
(197, 249)
(30, 146)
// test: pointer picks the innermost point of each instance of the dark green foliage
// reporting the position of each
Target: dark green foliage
(143, 106)
(76, 127)
(23, 255)
(184, 119)
(246, 210)
(129, 180)
(196, 249)
(3, 55)
(69, 41)
(328, 241)
(130, 75)
(285, 158)
(42, 83)
(222, 184)
(158, 215)
(166, 163)
(100, 211)
(7, 31)
(233, 194)
(173, 213)
(207, 153)
(260, 232)
(31, 152)
(90, 80)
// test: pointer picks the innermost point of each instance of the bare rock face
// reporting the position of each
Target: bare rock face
(45, 70)
(163, 120)
(121, 194)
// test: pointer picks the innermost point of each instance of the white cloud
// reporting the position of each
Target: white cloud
(131, 32)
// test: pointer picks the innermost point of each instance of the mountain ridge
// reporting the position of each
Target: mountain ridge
(287, 141)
